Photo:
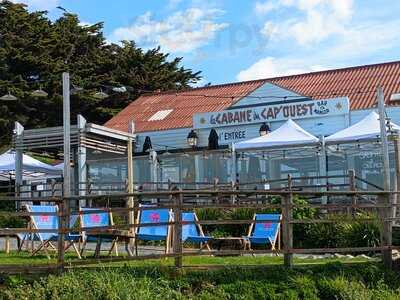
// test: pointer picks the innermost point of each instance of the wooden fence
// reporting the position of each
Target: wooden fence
(178, 200)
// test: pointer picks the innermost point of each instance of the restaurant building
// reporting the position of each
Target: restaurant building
(187, 136)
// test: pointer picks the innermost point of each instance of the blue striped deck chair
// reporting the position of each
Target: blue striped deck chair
(97, 220)
(193, 232)
(267, 232)
(48, 222)
(154, 233)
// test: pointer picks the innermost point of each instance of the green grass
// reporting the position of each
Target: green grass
(323, 281)
(24, 258)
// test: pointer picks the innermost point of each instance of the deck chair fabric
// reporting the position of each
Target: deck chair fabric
(44, 221)
(48, 222)
(40, 222)
(192, 232)
(265, 232)
(95, 220)
(153, 233)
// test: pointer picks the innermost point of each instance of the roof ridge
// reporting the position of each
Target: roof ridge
(336, 69)
(214, 86)
(271, 79)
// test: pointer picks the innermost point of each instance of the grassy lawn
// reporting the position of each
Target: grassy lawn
(24, 258)
(332, 280)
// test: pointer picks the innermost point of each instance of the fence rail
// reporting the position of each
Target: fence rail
(178, 200)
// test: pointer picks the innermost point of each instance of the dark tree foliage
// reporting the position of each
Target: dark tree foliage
(34, 51)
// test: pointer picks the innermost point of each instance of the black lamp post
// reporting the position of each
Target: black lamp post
(192, 139)
(264, 129)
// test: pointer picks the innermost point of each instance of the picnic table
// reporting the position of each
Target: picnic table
(107, 234)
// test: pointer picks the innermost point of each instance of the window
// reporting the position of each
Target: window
(160, 115)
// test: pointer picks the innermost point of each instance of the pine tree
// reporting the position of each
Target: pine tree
(34, 51)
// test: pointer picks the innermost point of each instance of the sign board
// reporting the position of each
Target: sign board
(228, 135)
(269, 113)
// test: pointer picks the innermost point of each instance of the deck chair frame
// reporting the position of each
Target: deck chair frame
(169, 231)
(45, 244)
(114, 243)
(200, 230)
(277, 237)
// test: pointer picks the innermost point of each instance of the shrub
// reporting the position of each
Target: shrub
(361, 233)
(247, 214)
(343, 234)
(238, 214)
(340, 288)
(210, 214)
(12, 222)
(324, 235)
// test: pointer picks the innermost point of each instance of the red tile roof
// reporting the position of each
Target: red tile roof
(183, 104)
(357, 83)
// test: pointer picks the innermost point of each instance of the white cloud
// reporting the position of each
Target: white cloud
(366, 39)
(273, 67)
(325, 36)
(358, 43)
(183, 31)
(318, 20)
(262, 8)
(39, 4)
(343, 9)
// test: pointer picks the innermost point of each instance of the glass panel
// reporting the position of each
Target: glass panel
(141, 170)
(115, 171)
(169, 167)
(214, 166)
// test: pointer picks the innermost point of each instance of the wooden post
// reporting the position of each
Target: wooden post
(215, 185)
(287, 212)
(352, 187)
(233, 197)
(386, 237)
(61, 234)
(386, 212)
(53, 187)
(177, 239)
(7, 244)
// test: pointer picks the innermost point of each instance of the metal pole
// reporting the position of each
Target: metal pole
(67, 141)
(384, 140)
(233, 170)
(396, 141)
(67, 169)
(18, 131)
(322, 171)
(81, 163)
(131, 216)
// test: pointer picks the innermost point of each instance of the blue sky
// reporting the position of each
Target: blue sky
(244, 40)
